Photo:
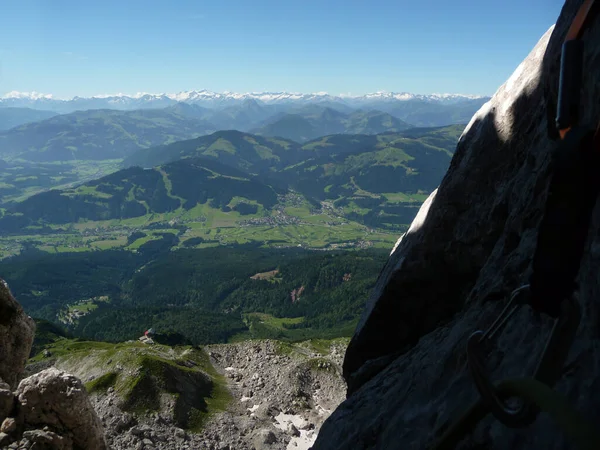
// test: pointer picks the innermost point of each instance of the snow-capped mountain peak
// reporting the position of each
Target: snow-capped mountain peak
(27, 95)
(212, 99)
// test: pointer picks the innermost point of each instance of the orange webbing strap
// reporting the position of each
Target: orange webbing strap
(580, 22)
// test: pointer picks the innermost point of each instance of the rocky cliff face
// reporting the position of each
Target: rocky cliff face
(49, 410)
(471, 244)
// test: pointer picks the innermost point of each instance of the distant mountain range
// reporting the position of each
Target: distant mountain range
(22, 98)
(100, 134)
(418, 110)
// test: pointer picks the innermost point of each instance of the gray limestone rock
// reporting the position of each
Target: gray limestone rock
(58, 399)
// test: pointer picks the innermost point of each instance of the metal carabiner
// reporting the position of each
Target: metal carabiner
(548, 371)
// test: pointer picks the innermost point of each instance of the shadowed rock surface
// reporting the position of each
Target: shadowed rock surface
(470, 246)
(16, 336)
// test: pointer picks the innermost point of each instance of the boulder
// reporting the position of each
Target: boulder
(60, 401)
(16, 337)
(264, 438)
(471, 244)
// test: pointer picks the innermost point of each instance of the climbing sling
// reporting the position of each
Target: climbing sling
(562, 235)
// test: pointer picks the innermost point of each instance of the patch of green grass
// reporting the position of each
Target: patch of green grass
(284, 348)
(110, 243)
(218, 401)
(77, 348)
(140, 374)
(141, 241)
(420, 197)
(284, 144)
(397, 197)
(275, 322)
(220, 145)
(352, 207)
(85, 307)
(102, 383)
(39, 293)
(301, 212)
(89, 190)
(169, 185)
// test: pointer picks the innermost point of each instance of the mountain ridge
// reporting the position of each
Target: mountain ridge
(98, 134)
(221, 100)
(305, 127)
(11, 117)
(263, 96)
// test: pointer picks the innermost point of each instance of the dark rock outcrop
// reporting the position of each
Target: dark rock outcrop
(16, 336)
(471, 244)
(7, 401)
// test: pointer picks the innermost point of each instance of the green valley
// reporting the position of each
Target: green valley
(234, 188)
(219, 238)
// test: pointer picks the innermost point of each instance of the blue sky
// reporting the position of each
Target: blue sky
(68, 47)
